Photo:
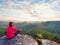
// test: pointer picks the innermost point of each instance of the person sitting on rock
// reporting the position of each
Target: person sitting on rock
(11, 31)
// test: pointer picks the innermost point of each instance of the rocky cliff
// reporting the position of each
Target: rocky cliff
(46, 42)
(25, 40)
(18, 40)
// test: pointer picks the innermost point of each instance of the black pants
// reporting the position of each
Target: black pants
(17, 33)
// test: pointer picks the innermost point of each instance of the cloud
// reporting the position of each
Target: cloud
(18, 19)
(42, 10)
(30, 10)
(18, 4)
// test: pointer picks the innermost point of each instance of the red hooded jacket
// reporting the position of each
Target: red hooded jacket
(10, 31)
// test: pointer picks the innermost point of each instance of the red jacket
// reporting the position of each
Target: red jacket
(10, 31)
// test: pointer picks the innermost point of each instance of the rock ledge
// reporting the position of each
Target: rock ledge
(18, 40)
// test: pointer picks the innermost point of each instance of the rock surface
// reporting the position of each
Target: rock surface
(18, 40)
(47, 42)
(25, 40)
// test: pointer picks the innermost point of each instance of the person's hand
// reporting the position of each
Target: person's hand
(20, 29)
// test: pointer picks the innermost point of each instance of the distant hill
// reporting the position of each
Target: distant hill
(3, 23)
(51, 26)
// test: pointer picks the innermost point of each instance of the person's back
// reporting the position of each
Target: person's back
(10, 31)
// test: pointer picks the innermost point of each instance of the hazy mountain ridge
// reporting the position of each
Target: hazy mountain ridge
(51, 26)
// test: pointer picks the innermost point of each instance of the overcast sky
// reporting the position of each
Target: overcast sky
(30, 10)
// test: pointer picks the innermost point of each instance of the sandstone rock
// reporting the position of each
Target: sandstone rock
(18, 40)
(47, 42)
(54, 43)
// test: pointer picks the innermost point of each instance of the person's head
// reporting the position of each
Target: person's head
(11, 23)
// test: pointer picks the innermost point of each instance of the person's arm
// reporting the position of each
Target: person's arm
(5, 31)
(15, 29)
